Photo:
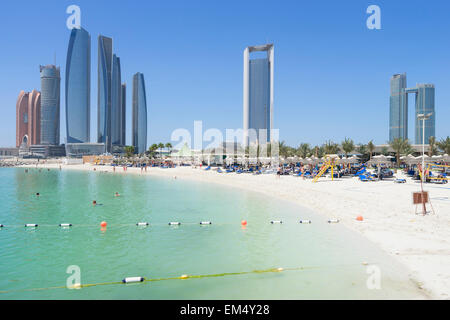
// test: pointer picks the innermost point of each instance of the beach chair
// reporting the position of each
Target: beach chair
(208, 168)
(400, 181)
(363, 178)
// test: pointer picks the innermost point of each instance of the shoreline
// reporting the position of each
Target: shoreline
(421, 244)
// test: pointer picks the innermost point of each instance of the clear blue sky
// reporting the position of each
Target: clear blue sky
(331, 72)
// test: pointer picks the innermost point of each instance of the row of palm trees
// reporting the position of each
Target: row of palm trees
(130, 150)
(159, 147)
(348, 146)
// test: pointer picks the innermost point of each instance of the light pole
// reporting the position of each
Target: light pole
(423, 117)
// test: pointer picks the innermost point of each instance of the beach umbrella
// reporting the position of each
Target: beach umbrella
(229, 161)
(354, 159)
(446, 158)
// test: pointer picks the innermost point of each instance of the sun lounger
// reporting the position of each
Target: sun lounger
(363, 178)
(400, 180)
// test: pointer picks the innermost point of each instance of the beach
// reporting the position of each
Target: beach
(420, 243)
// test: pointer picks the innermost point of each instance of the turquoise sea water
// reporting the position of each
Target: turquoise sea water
(38, 258)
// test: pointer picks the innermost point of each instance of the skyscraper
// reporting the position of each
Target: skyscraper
(105, 64)
(123, 126)
(28, 118)
(78, 87)
(116, 103)
(50, 104)
(424, 105)
(258, 95)
(139, 130)
(398, 119)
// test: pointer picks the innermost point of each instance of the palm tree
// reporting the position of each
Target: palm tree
(432, 144)
(330, 147)
(169, 147)
(283, 149)
(318, 151)
(348, 146)
(400, 146)
(129, 151)
(304, 150)
(160, 147)
(371, 148)
(362, 149)
(152, 150)
(444, 145)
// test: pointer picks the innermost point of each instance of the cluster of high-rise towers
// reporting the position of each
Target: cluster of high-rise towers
(38, 113)
(425, 105)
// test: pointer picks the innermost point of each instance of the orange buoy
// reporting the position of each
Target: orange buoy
(103, 224)
(244, 222)
(359, 218)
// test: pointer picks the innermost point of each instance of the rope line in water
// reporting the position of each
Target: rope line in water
(135, 225)
(184, 277)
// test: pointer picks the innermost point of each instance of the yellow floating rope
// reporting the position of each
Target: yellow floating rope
(183, 277)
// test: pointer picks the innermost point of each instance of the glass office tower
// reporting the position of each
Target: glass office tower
(425, 94)
(139, 130)
(50, 104)
(398, 119)
(78, 87)
(123, 126)
(258, 95)
(116, 103)
(105, 64)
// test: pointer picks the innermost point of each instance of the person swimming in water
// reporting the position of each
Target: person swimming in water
(37, 194)
(94, 203)
(117, 194)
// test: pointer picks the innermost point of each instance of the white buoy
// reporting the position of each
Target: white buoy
(65, 225)
(142, 224)
(31, 225)
(276, 222)
(305, 221)
(333, 221)
(133, 280)
(174, 223)
(205, 222)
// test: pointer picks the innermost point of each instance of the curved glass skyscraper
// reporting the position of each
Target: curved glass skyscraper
(398, 108)
(78, 87)
(116, 103)
(105, 62)
(50, 104)
(123, 126)
(139, 130)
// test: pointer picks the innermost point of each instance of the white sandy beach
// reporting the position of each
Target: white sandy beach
(421, 243)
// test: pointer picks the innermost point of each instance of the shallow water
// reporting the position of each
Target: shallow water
(38, 258)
